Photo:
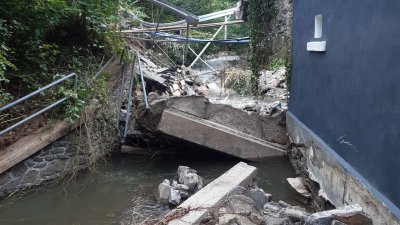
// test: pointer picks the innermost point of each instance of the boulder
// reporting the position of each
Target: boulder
(174, 197)
(259, 197)
(164, 190)
(350, 215)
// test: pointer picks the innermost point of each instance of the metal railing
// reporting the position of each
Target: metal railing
(12, 104)
(131, 84)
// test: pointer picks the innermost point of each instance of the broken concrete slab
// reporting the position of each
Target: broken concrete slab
(212, 196)
(350, 215)
(218, 137)
(269, 128)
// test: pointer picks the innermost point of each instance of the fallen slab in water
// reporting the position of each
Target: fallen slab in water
(217, 136)
(211, 196)
(220, 127)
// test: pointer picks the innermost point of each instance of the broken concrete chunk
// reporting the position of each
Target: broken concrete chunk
(283, 204)
(182, 171)
(294, 214)
(271, 220)
(179, 187)
(191, 180)
(184, 194)
(174, 197)
(164, 190)
(351, 215)
(259, 197)
(166, 181)
(299, 185)
(335, 222)
(270, 207)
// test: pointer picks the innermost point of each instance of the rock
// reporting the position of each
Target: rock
(241, 204)
(294, 214)
(335, 222)
(53, 168)
(166, 181)
(179, 187)
(174, 197)
(259, 197)
(283, 204)
(164, 192)
(239, 190)
(270, 207)
(298, 184)
(350, 215)
(30, 177)
(182, 172)
(278, 220)
(191, 180)
(184, 194)
(234, 219)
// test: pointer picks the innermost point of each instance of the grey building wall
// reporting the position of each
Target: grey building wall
(350, 95)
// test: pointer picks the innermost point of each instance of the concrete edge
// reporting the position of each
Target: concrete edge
(327, 167)
(44, 136)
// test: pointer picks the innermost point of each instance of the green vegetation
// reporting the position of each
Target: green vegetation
(43, 40)
(261, 13)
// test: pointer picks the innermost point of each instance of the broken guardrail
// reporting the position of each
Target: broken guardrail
(58, 102)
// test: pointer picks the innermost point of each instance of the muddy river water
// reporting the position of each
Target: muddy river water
(124, 186)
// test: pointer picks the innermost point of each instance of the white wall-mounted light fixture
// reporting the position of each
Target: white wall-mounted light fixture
(317, 46)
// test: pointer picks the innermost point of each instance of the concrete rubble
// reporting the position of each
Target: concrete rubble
(247, 204)
(187, 183)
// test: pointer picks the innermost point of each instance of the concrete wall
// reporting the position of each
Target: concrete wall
(348, 95)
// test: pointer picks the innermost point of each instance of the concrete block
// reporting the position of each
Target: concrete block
(213, 195)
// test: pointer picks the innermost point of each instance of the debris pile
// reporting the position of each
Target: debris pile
(174, 81)
(187, 183)
(272, 84)
(252, 206)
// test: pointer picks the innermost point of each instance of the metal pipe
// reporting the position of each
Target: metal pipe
(142, 80)
(40, 90)
(33, 115)
(205, 47)
(203, 60)
(129, 99)
(189, 17)
(119, 105)
(226, 28)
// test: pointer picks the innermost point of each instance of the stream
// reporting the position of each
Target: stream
(125, 186)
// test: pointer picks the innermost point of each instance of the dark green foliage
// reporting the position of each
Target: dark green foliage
(43, 40)
(261, 13)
